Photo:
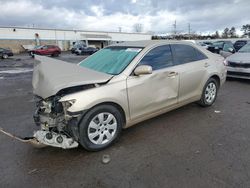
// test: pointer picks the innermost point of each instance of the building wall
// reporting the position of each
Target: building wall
(15, 37)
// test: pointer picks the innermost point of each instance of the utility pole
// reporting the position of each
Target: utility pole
(175, 28)
(189, 30)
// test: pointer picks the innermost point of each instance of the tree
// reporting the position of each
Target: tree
(138, 27)
(246, 29)
(216, 35)
(225, 33)
(232, 32)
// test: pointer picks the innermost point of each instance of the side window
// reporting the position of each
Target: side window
(158, 58)
(184, 54)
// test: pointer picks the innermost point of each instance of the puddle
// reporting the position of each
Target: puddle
(15, 71)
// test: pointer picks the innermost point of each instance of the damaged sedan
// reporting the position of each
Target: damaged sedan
(90, 103)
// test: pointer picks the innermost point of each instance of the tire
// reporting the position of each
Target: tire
(32, 54)
(95, 134)
(55, 55)
(209, 93)
(5, 56)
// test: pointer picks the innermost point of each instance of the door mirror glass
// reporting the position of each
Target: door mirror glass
(143, 69)
(231, 50)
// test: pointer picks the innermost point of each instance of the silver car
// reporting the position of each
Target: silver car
(119, 86)
(238, 64)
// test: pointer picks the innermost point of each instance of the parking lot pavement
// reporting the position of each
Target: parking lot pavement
(188, 147)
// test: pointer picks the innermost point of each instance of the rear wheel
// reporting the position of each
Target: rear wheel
(55, 54)
(209, 93)
(100, 127)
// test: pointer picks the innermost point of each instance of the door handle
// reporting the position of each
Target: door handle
(206, 64)
(172, 74)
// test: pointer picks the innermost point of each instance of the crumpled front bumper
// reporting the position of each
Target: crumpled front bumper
(42, 139)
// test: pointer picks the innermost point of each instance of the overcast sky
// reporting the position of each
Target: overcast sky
(108, 15)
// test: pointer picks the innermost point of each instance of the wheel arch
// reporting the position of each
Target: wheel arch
(217, 78)
(116, 105)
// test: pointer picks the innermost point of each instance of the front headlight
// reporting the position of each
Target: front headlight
(225, 62)
(69, 103)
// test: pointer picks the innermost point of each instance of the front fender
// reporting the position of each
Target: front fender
(111, 92)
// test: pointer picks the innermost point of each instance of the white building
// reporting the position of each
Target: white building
(17, 37)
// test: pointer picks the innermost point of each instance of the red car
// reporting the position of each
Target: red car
(45, 50)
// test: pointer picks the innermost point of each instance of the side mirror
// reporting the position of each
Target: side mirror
(231, 50)
(143, 69)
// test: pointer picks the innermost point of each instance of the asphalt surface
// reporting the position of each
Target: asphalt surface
(188, 147)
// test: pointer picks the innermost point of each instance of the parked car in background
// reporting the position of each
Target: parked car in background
(119, 86)
(238, 64)
(5, 53)
(239, 44)
(51, 50)
(224, 48)
(77, 47)
(205, 44)
(86, 51)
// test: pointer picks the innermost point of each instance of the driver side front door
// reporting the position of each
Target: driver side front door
(152, 93)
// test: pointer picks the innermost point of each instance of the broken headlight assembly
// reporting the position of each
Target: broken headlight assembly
(68, 104)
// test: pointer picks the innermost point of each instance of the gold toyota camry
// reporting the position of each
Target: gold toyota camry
(123, 84)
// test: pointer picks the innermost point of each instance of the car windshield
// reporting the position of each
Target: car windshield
(111, 60)
(245, 49)
(218, 44)
(38, 47)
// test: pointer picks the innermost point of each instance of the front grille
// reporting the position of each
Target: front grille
(238, 73)
(241, 65)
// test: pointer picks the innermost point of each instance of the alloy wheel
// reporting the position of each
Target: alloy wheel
(210, 92)
(102, 128)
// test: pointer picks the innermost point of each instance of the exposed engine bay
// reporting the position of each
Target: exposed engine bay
(51, 117)
(58, 127)
(52, 80)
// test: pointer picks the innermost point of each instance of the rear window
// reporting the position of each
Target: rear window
(240, 42)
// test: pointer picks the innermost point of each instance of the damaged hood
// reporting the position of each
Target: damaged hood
(52, 75)
(240, 57)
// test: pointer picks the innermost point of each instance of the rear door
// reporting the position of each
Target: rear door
(51, 50)
(192, 67)
(153, 92)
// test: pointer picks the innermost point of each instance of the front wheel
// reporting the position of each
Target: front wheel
(32, 54)
(100, 127)
(5, 56)
(209, 93)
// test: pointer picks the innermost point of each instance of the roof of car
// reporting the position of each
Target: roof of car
(145, 43)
